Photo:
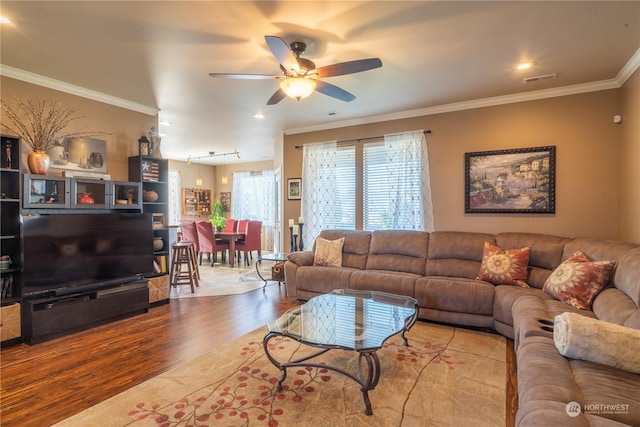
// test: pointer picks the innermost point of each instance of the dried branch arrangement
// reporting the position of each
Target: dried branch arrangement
(39, 123)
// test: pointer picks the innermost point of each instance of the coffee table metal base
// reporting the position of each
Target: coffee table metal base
(277, 257)
(368, 373)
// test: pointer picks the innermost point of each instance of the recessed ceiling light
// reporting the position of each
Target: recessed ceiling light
(524, 66)
(4, 20)
(259, 116)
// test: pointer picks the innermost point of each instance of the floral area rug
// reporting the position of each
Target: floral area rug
(446, 377)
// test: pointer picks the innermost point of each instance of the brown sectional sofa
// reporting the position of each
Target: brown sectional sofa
(439, 269)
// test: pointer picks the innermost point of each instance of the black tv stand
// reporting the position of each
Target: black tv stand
(52, 317)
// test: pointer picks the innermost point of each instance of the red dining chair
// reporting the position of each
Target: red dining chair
(242, 226)
(252, 240)
(230, 225)
(188, 233)
(207, 241)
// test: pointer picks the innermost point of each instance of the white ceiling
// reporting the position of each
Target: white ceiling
(434, 53)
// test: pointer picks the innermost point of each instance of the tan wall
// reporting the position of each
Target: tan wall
(212, 175)
(580, 126)
(188, 175)
(629, 159)
(123, 126)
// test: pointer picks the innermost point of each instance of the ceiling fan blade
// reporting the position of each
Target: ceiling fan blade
(244, 76)
(349, 67)
(334, 91)
(283, 54)
(276, 97)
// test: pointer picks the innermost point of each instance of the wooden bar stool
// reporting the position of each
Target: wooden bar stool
(184, 269)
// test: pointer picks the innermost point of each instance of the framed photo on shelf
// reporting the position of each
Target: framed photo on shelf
(294, 188)
(519, 180)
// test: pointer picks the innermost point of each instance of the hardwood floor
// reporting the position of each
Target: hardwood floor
(48, 382)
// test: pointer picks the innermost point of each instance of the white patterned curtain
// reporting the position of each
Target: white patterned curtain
(409, 183)
(319, 183)
(253, 197)
(175, 198)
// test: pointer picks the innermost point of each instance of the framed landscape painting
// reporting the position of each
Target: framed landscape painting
(520, 180)
(294, 188)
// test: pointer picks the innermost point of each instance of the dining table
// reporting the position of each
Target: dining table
(232, 237)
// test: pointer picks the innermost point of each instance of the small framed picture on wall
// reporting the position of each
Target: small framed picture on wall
(294, 188)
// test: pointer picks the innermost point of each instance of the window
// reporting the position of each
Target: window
(394, 193)
(395, 185)
(253, 197)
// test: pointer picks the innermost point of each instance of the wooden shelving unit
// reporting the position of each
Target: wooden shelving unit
(196, 201)
(10, 240)
(153, 173)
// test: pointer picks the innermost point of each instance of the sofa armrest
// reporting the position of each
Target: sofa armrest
(301, 258)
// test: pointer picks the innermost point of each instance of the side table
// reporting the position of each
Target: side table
(275, 257)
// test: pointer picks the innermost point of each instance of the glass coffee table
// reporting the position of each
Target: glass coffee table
(345, 319)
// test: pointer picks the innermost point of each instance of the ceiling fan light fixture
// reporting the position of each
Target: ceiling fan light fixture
(298, 87)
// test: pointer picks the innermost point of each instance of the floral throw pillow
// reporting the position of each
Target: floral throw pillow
(504, 267)
(578, 280)
(328, 252)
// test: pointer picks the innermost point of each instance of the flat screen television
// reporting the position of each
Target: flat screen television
(69, 253)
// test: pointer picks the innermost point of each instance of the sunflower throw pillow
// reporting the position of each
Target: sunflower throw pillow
(578, 280)
(504, 267)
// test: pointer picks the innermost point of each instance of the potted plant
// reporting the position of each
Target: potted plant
(217, 215)
(41, 125)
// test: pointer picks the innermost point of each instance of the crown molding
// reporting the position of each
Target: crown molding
(465, 105)
(36, 79)
(630, 67)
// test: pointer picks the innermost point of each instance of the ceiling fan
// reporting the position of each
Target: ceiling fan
(300, 77)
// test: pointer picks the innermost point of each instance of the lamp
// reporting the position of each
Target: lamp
(298, 87)
(143, 145)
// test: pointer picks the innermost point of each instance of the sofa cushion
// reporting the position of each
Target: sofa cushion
(356, 246)
(398, 250)
(626, 275)
(385, 281)
(455, 294)
(328, 252)
(613, 305)
(533, 315)
(322, 279)
(456, 253)
(603, 385)
(578, 280)
(503, 300)
(544, 375)
(546, 250)
(504, 266)
(546, 253)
